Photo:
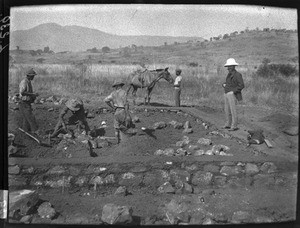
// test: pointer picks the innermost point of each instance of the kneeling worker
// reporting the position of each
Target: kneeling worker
(117, 100)
(74, 112)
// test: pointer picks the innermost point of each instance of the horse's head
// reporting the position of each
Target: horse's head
(166, 75)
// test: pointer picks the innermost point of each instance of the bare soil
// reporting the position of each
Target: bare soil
(84, 205)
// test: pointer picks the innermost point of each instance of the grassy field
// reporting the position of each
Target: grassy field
(93, 82)
(90, 75)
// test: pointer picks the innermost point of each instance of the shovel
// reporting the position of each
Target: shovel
(36, 139)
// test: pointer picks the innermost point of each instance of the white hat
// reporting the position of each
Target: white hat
(231, 62)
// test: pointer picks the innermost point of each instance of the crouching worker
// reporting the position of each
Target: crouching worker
(72, 114)
(117, 100)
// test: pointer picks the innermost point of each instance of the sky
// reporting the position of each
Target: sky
(162, 20)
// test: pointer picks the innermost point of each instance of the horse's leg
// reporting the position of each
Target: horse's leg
(146, 96)
(134, 94)
(149, 95)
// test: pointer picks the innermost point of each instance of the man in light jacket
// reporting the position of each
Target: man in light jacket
(233, 93)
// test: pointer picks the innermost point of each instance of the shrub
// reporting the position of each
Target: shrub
(271, 70)
(193, 64)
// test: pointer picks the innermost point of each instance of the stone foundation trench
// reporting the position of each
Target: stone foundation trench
(182, 184)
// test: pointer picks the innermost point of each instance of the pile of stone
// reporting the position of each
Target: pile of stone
(215, 150)
(198, 149)
(55, 100)
(187, 128)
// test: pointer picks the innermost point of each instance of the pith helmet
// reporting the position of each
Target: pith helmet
(118, 82)
(31, 72)
(231, 62)
(74, 104)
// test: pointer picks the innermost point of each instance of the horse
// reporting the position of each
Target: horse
(147, 79)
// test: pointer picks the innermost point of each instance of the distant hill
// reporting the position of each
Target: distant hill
(77, 38)
(248, 48)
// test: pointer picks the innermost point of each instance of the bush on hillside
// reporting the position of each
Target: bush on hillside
(267, 70)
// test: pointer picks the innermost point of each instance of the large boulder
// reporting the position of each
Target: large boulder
(177, 211)
(113, 214)
(22, 201)
(46, 210)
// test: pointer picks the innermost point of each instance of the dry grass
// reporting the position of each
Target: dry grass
(199, 86)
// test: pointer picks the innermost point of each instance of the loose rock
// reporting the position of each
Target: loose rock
(211, 168)
(229, 170)
(251, 169)
(202, 178)
(13, 169)
(56, 170)
(187, 131)
(12, 150)
(166, 188)
(113, 214)
(182, 175)
(122, 191)
(193, 147)
(191, 167)
(23, 201)
(160, 125)
(199, 152)
(240, 217)
(187, 125)
(268, 167)
(135, 119)
(169, 152)
(46, 210)
(205, 142)
(180, 152)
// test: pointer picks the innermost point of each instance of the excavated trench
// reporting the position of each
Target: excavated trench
(241, 185)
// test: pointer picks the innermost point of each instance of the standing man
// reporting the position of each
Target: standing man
(233, 93)
(177, 86)
(26, 98)
(117, 100)
(74, 113)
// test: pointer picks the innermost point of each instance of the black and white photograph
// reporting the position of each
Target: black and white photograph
(152, 114)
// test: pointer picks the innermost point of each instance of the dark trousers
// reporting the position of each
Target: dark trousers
(177, 97)
(29, 123)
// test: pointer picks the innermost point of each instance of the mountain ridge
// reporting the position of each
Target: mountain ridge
(80, 38)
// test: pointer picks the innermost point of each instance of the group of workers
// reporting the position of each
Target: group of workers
(74, 111)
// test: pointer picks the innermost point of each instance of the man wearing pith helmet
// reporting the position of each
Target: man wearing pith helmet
(72, 114)
(177, 86)
(233, 93)
(117, 100)
(26, 98)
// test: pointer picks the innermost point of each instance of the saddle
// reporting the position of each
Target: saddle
(141, 79)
